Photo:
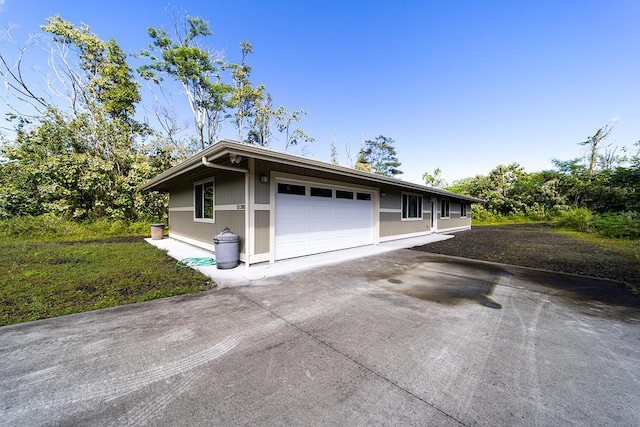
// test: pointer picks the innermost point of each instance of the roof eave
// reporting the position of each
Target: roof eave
(227, 146)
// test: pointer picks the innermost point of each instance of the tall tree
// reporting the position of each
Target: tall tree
(260, 132)
(107, 78)
(102, 86)
(334, 152)
(245, 98)
(197, 70)
(434, 180)
(86, 160)
(379, 156)
(593, 144)
(284, 120)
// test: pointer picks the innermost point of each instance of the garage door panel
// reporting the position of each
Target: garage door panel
(290, 249)
(307, 224)
(319, 242)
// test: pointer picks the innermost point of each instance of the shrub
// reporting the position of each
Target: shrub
(618, 224)
(578, 219)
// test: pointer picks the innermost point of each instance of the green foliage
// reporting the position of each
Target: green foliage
(434, 180)
(609, 224)
(202, 74)
(576, 219)
(198, 71)
(248, 100)
(86, 162)
(379, 156)
(108, 78)
(567, 195)
(507, 190)
(50, 228)
(53, 167)
(263, 116)
(481, 216)
(618, 224)
(284, 119)
(615, 190)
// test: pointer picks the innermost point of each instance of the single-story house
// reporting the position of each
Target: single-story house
(283, 205)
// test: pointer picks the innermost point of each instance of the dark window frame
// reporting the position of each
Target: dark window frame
(344, 195)
(321, 192)
(292, 189)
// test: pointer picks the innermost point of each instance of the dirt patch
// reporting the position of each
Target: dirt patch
(540, 246)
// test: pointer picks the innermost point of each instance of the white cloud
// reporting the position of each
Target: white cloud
(1, 5)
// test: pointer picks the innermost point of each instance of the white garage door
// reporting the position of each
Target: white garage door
(312, 219)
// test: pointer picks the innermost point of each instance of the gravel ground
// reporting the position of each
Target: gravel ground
(540, 246)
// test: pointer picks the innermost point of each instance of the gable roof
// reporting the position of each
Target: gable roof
(224, 147)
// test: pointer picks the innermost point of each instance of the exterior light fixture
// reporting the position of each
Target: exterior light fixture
(264, 179)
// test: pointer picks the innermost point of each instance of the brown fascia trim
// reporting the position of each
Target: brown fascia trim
(232, 147)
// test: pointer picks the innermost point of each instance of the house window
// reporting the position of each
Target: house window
(463, 210)
(444, 209)
(204, 201)
(411, 206)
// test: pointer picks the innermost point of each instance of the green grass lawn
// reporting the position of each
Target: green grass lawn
(54, 277)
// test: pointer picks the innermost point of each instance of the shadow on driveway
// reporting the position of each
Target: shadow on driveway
(453, 281)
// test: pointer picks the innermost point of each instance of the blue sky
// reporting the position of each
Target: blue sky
(460, 85)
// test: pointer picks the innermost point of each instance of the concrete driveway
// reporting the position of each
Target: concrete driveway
(402, 338)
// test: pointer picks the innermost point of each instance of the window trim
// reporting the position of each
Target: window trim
(404, 207)
(463, 210)
(448, 209)
(196, 206)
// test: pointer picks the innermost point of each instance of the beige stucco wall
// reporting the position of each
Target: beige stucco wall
(261, 191)
(229, 188)
(454, 221)
(182, 224)
(229, 191)
(392, 199)
(392, 225)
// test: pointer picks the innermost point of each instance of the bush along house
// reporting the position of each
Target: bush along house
(284, 206)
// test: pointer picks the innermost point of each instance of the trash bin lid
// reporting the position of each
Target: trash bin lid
(157, 225)
(226, 236)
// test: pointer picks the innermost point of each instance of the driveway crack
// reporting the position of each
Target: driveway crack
(346, 356)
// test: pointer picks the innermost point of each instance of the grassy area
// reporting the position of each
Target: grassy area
(68, 270)
(48, 228)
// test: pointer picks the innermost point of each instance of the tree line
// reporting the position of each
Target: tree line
(75, 146)
(600, 191)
